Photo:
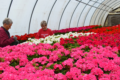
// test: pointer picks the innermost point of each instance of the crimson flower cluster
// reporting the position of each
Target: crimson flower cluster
(112, 40)
(107, 30)
(76, 29)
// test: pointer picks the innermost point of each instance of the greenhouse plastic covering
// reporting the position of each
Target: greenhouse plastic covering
(59, 14)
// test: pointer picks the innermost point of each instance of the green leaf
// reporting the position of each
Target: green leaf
(30, 58)
(87, 72)
(37, 68)
(52, 66)
(86, 49)
(14, 63)
(2, 60)
(64, 72)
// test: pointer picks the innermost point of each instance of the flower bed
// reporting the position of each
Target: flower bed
(86, 29)
(76, 29)
(46, 62)
(107, 30)
(55, 38)
(112, 40)
(79, 56)
(25, 37)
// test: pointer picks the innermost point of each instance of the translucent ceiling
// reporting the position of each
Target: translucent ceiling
(60, 14)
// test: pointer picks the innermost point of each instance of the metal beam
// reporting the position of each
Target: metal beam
(9, 8)
(63, 13)
(81, 13)
(73, 14)
(88, 12)
(31, 16)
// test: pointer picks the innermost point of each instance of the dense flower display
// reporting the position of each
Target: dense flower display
(77, 29)
(107, 30)
(55, 38)
(86, 29)
(46, 62)
(93, 55)
(112, 40)
(25, 37)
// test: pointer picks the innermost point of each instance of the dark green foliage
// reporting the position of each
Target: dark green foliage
(14, 63)
(30, 58)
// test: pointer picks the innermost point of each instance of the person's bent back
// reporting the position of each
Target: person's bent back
(4, 33)
(44, 32)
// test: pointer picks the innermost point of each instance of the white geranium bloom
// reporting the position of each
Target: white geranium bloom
(49, 42)
(29, 38)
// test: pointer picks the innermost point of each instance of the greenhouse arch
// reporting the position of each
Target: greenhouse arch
(59, 14)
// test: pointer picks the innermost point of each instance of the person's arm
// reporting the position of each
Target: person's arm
(38, 35)
(4, 41)
(16, 42)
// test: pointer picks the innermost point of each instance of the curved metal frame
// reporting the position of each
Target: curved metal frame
(100, 11)
(33, 12)
(88, 13)
(82, 12)
(104, 13)
(107, 16)
(101, 4)
(105, 9)
(63, 13)
(51, 11)
(9, 8)
(31, 16)
(73, 14)
(95, 12)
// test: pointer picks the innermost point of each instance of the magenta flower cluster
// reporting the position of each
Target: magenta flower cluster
(47, 62)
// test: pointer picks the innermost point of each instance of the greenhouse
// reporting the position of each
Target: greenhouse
(60, 40)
